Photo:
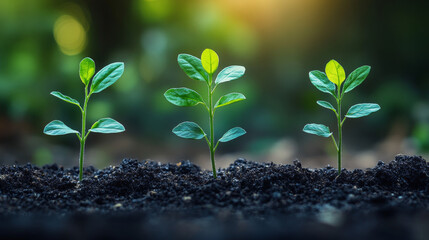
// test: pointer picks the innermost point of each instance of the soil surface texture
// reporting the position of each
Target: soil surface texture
(248, 200)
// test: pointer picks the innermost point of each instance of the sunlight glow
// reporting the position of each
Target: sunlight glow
(70, 35)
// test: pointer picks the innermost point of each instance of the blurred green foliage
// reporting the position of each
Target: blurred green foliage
(279, 42)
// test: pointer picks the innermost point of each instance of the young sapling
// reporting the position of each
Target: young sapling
(203, 70)
(331, 83)
(103, 79)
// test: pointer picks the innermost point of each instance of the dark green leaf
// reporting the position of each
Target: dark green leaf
(183, 97)
(86, 70)
(356, 78)
(107, 125)
(229, 98)
(57, 127)
(327, 105)
(193, 67)
(321, 82)
(362, 110)
(107, 76)
(189, 130)
(232, 134)
(317, 129)
(65, 98)
(230, 73)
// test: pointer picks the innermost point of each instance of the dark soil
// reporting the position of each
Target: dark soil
(248, 201)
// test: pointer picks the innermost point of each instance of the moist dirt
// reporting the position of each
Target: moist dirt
(248, 200)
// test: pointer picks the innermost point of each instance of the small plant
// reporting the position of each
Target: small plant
(203, 70)
(103, 79)
(331, 83)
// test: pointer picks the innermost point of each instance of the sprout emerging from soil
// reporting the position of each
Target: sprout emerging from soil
(103, 79)
(331, 83)
(203, 70)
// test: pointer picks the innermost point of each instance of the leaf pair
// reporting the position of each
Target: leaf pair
(200, 70)
(104, 125)
(192, 130)
(335, 77)
(185, 97)
(356, 111)
(104, 78)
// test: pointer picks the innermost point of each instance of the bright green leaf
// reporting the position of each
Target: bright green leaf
(335, 72)
(230, 73)
(107, 125)
(356, 78)
(65, 98)
(107, 76)
(232, 134)
(229, 98)
(183, 97)
(57, 127)
(321, 82)
(193, 67)
(327, 105)
(189, 130)
(210, 60)
(86, 70)
(362, 110)
(317, 129)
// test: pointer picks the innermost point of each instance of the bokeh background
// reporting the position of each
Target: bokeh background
(278, 41)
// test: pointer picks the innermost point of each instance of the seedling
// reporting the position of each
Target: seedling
(203, 70)
(103, 79)
(331, 83)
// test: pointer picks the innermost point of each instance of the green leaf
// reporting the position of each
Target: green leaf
(193, 67)
(229, 98)
(327, 105)
(86, 70)
(189, 130)
(317, 129)
(362, 110)
(107, 125)
(356, 78)
(230, 73)
(321, 82)
(107, 76)
(335, 72)
(210, 60)
(65, 98)
(183, 97)
(232, 134)
(57, 127)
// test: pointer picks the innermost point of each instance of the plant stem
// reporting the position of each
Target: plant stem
(340, 134)
(83, 135)
(211, 113)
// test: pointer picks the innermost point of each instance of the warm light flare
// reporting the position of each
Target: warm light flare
(69, 35)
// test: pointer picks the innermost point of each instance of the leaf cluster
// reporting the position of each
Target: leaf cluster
(203, 70)
(334, 82)
(102, 80)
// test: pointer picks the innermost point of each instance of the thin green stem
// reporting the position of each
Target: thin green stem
(211, 116)
(340, 135)
(207, 140)
(216, 145)
(83, 138)
(335, 143)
